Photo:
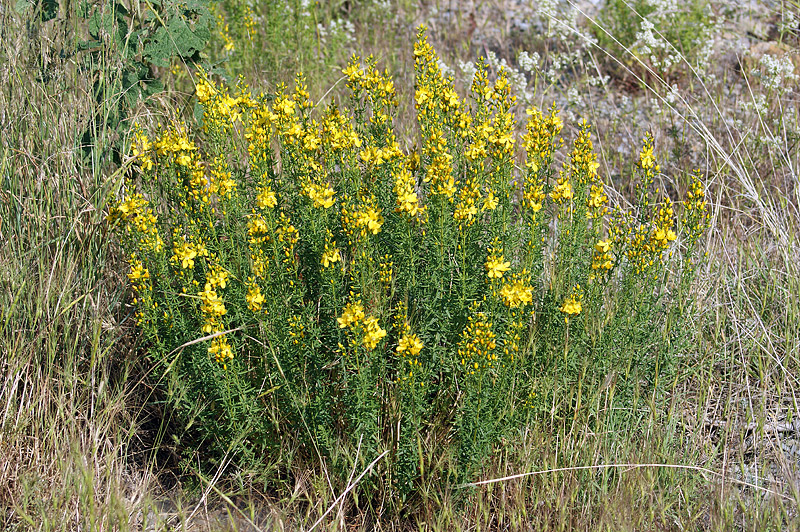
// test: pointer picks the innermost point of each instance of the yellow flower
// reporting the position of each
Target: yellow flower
(407, 200)
(603, 246)
(254, 297)
(186, 253)
(258, 230)
(370, 220)
(353, 72)
(598, 199)
(284, 106)
(572, 306)
(490, 203)
(212, 304)
(205, 90)
(353, 313)
(372, 332)
(330, 256)
(496, 266)
(562, 191)
(221, 349)
(646, 159)
(218, 277)
(410, 343)
(517, 293)
(138, 271)
(266, 199)
(320, 195)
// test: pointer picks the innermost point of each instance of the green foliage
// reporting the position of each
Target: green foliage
(122, 55)
(305, 284)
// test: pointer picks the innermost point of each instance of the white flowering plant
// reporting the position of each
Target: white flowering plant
(662, 36)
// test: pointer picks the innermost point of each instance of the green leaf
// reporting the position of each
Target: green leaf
(178, 38)
(22, 6)
(49, 10)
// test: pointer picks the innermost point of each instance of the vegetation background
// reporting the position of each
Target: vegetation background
(84, 440)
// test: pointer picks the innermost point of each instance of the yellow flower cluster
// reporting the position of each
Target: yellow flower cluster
(501, 138)
(407, 200)
(695, 209)
(185, 251)
(436, 102)
(583, 165)
(513, 335)
(477, 345)
(141, 283)
(496, 265)
(139, 221)
(221, 183)
(517, 291)
(212, 306)
(648, 168)
(258, 230)
(597, 202)
(408, 348)
(141, 150)
(213, 309)
(645, 242)
(353, 317)
(468, 197)
(258, 133)
(221, 110)
(374, 156)
(533, 195)
(386, 271)
(647, 160)
(338, 133)
(265, 198)
(372, 332)
(259, 263)
(490, 135)
(288, 235)
(250, 23)
(435, 99)
(563, 191)
(321, 196)
(223, 31)
(602, 260)
(541, 138)
(255, 299)
(641, 240)
(540, 141)
(409, 343)
(583, 161)
(572, 305)
(296, 329)
(352, 314)
(368, 218)
(439, 172)
(377, 87)
(662, 233)
(331, 254)
(174, 145)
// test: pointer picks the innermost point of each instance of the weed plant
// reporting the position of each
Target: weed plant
(302, 280)
(661, 36)
(271, 40)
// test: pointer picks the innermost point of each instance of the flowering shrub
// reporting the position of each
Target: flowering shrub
(303, 280)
